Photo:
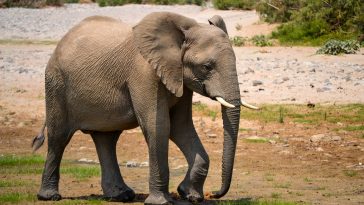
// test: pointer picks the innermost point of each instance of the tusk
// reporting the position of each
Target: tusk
(245, 104)
(223, 102)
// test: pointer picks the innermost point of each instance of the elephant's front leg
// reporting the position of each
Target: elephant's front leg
(186, 139)
(184, 135)
(154, 122)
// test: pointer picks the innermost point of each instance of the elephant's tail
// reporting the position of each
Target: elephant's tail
(39, 139)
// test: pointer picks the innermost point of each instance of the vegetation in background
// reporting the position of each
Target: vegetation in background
(234, 4)
(311, 22)
(261, 40)
(30, 3)
(238, 41)
(160, 2)
(335, 47)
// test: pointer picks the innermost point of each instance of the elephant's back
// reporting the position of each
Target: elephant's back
(93, 37)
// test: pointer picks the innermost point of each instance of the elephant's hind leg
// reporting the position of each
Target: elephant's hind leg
(112, 183)
(58, 138)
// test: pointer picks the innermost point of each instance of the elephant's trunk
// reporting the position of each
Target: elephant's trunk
(231, 118)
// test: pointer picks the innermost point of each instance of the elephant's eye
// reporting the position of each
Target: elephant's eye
(207, 66)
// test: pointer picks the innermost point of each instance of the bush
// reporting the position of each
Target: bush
(261, 40)
(312, 22)
(234, 4)
(238, 41)
(335, 47)
(30, 3)
(277, 10)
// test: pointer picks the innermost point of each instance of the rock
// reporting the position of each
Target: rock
(323, 89)
(249, 70)
(297, 139)
(285, 152)
(272, 142)
(144, 164)
(257, 82)
(256, 138)
(336, 138)
(131, 164)
(82, 148)
(84, 160)
(285, 78)
(317, 138)
(211, 135)
(319, 149)
(21, 124)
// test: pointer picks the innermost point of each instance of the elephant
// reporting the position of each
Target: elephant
(105, 77)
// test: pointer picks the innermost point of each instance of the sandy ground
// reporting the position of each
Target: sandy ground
(294, 168)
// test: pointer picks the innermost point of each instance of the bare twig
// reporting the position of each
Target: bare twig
(272, 6)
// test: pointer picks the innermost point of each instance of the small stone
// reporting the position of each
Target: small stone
(317, 138)
(319, 149)
(272, 142)
(21, 124)
(82, 148)
(285, 152)
(211, 135)
(340, 124)
(336, 138)
(84, 160)
(257, 82)
(131, 164)
(285, 78)
(144, 164)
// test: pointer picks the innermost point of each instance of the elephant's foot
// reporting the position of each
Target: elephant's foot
(190, 193)
(125, 195)
(49, 195)
(160, 198)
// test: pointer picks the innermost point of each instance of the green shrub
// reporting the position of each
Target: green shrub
(234, 4)
(238, 41)
(277, 10)
(312, 22)
(261, 40)
(335, 47)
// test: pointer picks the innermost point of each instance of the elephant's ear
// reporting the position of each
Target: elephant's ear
(159, 38)
(219, 22)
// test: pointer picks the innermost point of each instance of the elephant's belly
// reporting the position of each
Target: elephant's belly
(102, 111)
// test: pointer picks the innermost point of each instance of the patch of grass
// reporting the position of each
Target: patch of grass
(306, 179)
(261, 41)
(275, 195)
(259, 140)
(82, 172)
(348, 114)
(234, 4)
(257, 202)
(269, 178)
(354, 128)
(17, 197)
(77, 201)
(283, 185)
(11, 183)
(204, 110)
(244, 129)
(350, 173)
(14, 160)
(238, 41)
(27, 42)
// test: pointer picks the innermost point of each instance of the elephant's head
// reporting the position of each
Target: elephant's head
(200, 57)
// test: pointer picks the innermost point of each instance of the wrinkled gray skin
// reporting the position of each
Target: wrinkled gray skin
(105, 77)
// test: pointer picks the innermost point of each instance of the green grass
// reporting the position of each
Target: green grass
(17, 197)
(354, 128)
(260, 140)
(76, 202)
(203, 109)
(350, 173)
(282, 185)
(33, 164)
(82, 172)
(12, 183)
(257, 202)
(351, 113)
(27, 42)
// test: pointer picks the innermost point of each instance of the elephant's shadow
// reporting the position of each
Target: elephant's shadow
(140, 198)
